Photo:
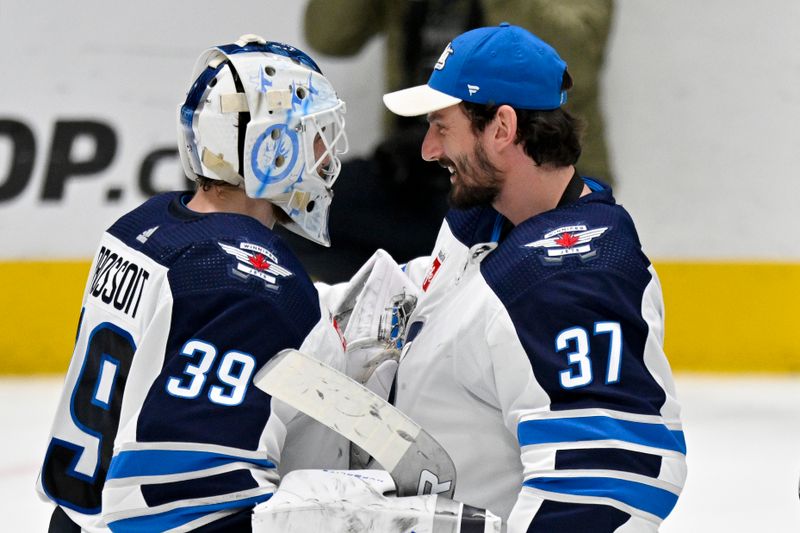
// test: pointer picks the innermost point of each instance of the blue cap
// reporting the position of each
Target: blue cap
(502, 64)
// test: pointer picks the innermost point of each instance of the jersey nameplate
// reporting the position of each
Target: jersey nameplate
(118, 281)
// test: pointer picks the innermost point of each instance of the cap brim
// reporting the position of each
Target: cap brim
(419, 100)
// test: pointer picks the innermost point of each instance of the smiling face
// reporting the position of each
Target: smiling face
(320, 150)
(451, 142)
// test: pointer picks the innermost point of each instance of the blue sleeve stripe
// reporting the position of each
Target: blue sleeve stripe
(658, 502)
(178, 517)
(555, 430)
(135, 463)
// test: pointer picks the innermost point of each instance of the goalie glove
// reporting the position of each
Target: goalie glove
(372, 314)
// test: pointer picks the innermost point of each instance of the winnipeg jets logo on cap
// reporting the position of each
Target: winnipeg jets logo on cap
(569, 240)
(256, 261)
(443, 58)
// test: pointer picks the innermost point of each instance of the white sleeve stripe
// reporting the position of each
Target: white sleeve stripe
(600, 444)
(192, 447)
(217, 502)
(134, 481)
(674, 425)
(584, 474)
(672, 469)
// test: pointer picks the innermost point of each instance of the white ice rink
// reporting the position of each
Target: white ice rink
(743, 435)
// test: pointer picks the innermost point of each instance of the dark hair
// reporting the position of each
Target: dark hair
(206, 184)
(548, 137)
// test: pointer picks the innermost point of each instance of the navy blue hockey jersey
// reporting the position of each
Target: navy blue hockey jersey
(535, 357)
(159, 426)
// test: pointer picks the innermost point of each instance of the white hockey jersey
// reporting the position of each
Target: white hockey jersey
(538, 364)
(159, 427)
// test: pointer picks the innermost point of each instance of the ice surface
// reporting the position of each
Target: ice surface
(743, 435)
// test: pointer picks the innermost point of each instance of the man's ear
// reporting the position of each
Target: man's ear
(504, 132)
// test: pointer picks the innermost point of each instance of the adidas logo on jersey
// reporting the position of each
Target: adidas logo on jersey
(146, 234)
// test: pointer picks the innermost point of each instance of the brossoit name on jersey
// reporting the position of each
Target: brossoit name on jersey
(118, 281)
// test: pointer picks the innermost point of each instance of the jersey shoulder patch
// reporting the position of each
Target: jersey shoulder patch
(255, 261)
(583, 238)
(575, 239)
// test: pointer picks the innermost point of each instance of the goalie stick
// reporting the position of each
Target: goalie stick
(417, 463)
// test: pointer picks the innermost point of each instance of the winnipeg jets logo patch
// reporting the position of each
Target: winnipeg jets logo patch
(443, 58)
(255, 261)
(569, 240)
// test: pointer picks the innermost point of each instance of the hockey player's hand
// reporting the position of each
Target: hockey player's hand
(373, 368)
(377, 375)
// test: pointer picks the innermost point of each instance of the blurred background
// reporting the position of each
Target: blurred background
(696, 104)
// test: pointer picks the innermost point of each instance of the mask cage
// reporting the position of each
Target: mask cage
(326, 141)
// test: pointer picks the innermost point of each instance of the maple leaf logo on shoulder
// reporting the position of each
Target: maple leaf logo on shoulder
(253, 260)
(259, 261)
(569, 240)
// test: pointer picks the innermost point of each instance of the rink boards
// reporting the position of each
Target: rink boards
(720, 316)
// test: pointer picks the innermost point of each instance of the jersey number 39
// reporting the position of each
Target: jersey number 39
(234, 372)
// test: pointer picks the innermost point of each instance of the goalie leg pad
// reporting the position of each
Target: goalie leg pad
(310, 501)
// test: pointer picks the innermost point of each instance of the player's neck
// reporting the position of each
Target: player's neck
(534, 191)
(232, 200)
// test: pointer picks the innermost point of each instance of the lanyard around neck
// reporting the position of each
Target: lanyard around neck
(572, 191)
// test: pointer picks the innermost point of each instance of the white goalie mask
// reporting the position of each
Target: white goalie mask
(260, 115)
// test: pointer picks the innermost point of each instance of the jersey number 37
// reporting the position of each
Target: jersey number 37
(579, 358)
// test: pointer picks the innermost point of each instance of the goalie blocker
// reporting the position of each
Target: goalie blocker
(310, 501)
